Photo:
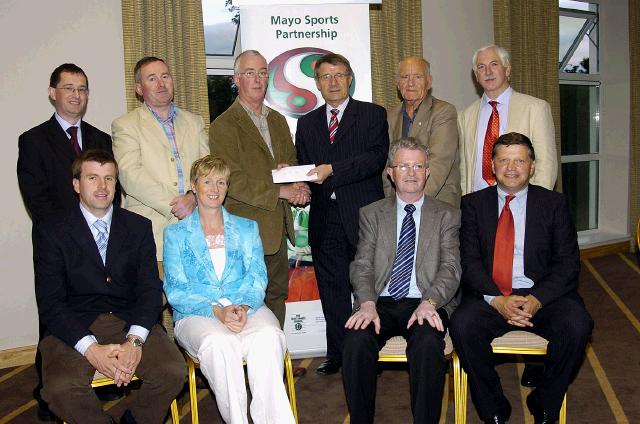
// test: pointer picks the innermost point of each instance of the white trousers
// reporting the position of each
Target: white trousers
(220, 353)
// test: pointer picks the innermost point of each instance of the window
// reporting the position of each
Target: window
(222, 45)
(580, 82)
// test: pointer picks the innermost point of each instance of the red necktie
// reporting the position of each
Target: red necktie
(333, 125)
(73, 132)
(503, 249)
(493, 132)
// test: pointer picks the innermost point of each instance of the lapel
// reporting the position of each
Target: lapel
(428, 224)
(348, 120)
(490, 206)
(150, 124)
(198, 245)
(59, 141)
(117, 236)
(248, 128)
(388, 232)
(181, 130)
(470, 140)
(83, 237)
(421, 118)
(516, 112)
(532, 222)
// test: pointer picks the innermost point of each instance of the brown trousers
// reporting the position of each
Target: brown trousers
(278, 276)
(67, 375)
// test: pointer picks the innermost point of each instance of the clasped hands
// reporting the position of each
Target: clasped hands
(234, 317)
(517, 310)
(367, 313)
(117, 361)
(298, 194)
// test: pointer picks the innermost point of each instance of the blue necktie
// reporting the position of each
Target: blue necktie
(403, 264)
(102, 240)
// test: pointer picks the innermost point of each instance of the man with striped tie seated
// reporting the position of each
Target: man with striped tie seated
(405, 277)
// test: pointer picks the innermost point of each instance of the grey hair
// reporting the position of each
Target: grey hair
(408, 143)
(236, 63)
(424, 61)
(503, 54)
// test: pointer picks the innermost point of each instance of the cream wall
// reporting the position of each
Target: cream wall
(38, 36)
(452, 31)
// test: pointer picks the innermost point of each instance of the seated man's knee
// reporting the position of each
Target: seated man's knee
(357, 340)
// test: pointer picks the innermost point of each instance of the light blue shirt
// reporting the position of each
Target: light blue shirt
(483, 120)
(170, 131)
(414, 291)
(65, 125)
(518, 208)
(135, 330)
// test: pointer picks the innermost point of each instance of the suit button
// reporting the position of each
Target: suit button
(173, 159)
(109, 280)
(175, 184)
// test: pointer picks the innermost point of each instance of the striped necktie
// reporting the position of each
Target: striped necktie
(102, 239)
(403, 264)
(333, 125)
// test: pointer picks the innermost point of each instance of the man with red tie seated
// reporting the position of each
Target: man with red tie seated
(99, 300)
(520, 267)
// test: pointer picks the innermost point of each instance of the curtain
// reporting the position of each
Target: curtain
(634, 153)
(396, 32)
(529, 30)
(171, 30)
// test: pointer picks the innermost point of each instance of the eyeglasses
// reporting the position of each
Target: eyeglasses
(327, 77)
(82, 91)
(404, 167)
(252, 74)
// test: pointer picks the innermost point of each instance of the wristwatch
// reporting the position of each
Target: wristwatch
(434, 304)
(135, 341)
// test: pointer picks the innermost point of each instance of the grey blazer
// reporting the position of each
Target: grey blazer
(438, 256)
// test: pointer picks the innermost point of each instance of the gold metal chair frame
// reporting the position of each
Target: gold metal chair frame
(389, 353)
(100, 380)
(460, 376)
(192, 364)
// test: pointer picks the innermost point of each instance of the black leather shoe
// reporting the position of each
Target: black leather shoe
(539, 416)
(501, 418)
(328, 367)
(109, 393)
(43, 411)
(532, 375)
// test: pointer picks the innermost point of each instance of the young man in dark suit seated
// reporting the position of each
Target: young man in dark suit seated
(520, 267)
(99, 299)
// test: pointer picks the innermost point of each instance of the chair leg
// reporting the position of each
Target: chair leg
(291, 385)
(563, 411)
(193, 390)
(459, 391)
(175, 416)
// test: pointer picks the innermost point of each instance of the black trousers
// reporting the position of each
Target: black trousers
(331, 261)
(425, 354)
(565, 323)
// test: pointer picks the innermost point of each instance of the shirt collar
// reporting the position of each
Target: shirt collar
(341, 107)
(90, 218)
(415, 111)
(264, 110)
(502, 195)
(64, 124)
(401, 204)
(173, 111)
(501, 99)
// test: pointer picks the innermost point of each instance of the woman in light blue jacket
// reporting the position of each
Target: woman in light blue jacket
(215, 280)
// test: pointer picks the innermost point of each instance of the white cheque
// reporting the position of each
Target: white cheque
(292, 174)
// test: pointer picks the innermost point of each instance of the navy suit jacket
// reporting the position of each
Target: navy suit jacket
(44, 166)
(551, 254)
(73, 286)
(358, 155)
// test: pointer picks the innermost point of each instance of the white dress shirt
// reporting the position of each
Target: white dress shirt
(65, 125)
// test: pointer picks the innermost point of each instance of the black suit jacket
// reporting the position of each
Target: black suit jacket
(551, 254)
(44, 166)
(73, 286)
(358, 155)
